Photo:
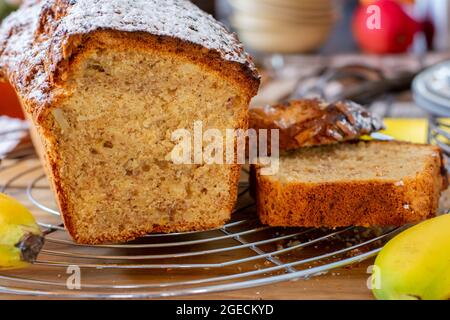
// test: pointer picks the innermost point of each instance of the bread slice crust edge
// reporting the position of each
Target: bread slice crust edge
(351, 203)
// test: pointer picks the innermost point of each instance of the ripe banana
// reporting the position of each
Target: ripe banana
(20, 236)
(416, 263)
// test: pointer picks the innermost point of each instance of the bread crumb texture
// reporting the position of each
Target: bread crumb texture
(113, 144)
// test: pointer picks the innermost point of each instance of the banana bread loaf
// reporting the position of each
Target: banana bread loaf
(361, 184)
(106, 83)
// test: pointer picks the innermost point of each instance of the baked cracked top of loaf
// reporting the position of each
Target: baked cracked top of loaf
(311, 122)
(38, 41)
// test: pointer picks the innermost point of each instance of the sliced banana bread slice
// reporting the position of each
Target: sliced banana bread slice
(363, 184)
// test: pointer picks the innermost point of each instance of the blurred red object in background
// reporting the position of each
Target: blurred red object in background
(395, 32)
(9, 103)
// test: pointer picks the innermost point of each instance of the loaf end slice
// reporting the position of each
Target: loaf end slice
(352, 184)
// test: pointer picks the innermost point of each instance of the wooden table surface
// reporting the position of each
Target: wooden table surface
(340, 284)
(346, 284)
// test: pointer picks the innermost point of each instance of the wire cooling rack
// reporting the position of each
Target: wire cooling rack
(439, 134)
(241, 254)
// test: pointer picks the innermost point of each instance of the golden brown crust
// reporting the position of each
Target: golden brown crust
(340, 204)
(310, 122)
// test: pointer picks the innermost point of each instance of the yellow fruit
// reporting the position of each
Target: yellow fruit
(20, 236)
(416, 263)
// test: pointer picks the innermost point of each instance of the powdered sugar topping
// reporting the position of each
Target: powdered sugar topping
(176, 18)
(24, 47)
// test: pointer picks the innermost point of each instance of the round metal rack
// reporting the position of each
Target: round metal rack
(241, 254)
